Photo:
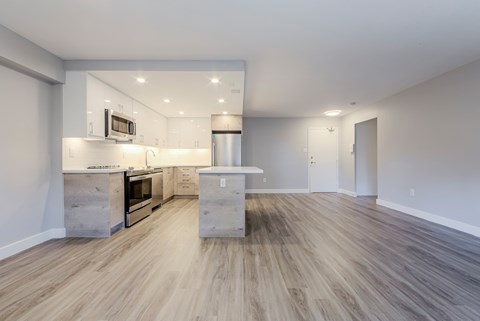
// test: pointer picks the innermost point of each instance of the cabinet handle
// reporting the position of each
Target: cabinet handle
(90, 128)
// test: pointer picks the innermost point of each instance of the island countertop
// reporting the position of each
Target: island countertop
(230, 170)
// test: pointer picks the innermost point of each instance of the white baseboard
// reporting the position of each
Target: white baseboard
(277, 191)
(22, 245)
(347, 192)
(467, 228)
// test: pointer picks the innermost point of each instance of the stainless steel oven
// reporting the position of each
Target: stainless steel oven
(138, 197)
(119, 126)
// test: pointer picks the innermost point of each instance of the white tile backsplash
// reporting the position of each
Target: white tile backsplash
(80, 153)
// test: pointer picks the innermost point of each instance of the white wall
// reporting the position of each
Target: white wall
(366, 158)
(277, 146)
(427, 140)
(31, 192)
(22, 54)
(80, 153)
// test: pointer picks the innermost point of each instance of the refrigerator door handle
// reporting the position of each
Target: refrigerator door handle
(213, 154)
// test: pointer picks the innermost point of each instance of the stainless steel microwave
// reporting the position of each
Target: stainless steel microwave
(119, 126)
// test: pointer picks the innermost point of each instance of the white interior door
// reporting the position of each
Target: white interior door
(323, 159)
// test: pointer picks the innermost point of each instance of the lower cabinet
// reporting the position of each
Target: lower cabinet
(180, 181)
(94, 204)
(187, 181)
(168, 183)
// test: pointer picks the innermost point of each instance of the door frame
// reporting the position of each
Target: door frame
(308, 155)
(355, 159)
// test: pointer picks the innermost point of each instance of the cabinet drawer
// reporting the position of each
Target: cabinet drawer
(186, 170)
(181, 176)
(185, 180)
(186, 189)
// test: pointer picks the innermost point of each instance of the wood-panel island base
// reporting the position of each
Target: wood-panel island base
(222, 201)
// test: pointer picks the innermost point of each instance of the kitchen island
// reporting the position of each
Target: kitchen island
(222, 200)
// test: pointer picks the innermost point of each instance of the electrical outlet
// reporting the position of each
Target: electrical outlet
(412, 192)
(223, 182)
(264, 179)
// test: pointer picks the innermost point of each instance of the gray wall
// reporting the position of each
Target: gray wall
(277, 146)
(427, 140)
(366, 157)
(31, 192)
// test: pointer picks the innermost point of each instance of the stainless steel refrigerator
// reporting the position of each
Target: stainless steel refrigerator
(227, 149)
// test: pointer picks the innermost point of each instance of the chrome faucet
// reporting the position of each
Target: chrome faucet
(146, 156)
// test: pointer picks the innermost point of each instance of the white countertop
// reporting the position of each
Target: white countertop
(94, 171)
(230, 170)
(120, 169)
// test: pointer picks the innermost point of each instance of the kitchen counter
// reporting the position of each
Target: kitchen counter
(120, 169)
(222, 200)
(230, 170)
(94, 171)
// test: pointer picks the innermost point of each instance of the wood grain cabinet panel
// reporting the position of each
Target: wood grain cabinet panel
(94, 204)
(168, 183)
(227, 122)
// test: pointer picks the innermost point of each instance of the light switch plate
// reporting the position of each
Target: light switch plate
(223, 182)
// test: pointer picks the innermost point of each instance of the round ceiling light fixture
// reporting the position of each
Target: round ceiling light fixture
(141, 80)
(166, 100)
(332, 113)
(215, 80)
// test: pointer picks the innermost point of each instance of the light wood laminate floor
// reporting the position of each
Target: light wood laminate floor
(306, 257)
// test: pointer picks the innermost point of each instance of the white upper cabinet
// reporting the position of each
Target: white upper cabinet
(227, 122)
(85, 99)
(151, 126)
(160, 131)
(174, 130)
(189, 133)
(117, 101)
(203, 131)
(139, 114)
(95, 108)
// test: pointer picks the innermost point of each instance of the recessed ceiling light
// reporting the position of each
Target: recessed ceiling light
(135, 112)
(107, 100)
(225, 112)
(333, 113)
(166, 100)
(215, 80)
(181, 112)
(221, 100)
(141, 80)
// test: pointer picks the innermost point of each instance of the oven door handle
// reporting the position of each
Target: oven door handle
(139, 178)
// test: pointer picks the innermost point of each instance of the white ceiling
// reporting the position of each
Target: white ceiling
(303, 57)
(191, 92)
